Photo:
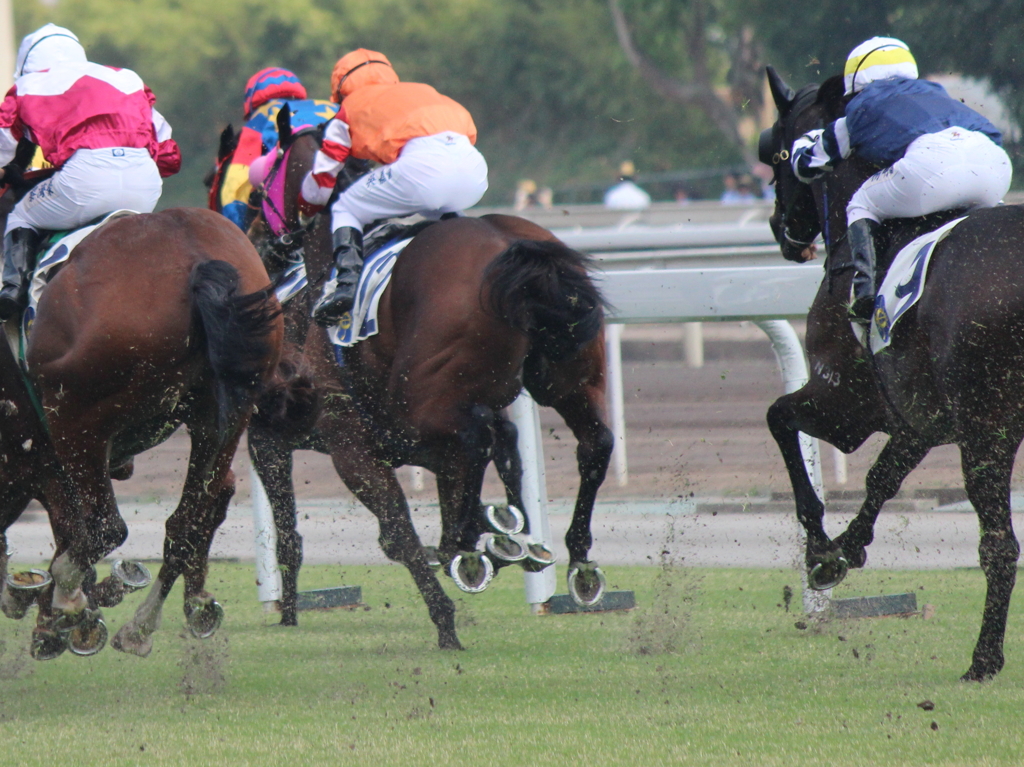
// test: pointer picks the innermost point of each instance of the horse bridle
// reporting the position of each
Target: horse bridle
(772, 151)
(288, 243)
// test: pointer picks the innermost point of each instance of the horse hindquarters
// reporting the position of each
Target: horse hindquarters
(237, 333)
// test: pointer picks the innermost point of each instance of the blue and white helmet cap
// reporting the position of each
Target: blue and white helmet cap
(878, 59)
(45, 47)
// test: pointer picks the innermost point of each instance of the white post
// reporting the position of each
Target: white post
(7, 47)
(693, 344)
(419, 478)
(540, 587)
(839, 466)
(793, 365)
(268, 576)
(616, 401)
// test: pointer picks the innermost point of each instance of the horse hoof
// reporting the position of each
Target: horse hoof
(88, 636)
(471, 571)
(586, 583)
(506, 519)
(205, 618)
(538, 557)
(47, 644)
(134, 575)
(20, 591)
(505, 549)
(826, 575)
(129, 640)
(433, 557)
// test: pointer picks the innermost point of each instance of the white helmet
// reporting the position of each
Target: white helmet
(877, 59)
(45, 47)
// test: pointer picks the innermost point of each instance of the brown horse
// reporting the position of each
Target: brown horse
(951, 375)
(476, 310)
(156, 320)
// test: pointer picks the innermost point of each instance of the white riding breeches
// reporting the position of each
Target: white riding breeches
(433, 175)
(954, 168)
(92, 183)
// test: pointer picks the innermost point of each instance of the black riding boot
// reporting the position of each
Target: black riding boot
(19, 249)
(862, 244)
(348, 260)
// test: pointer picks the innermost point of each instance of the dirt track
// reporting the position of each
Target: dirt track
(699, 431)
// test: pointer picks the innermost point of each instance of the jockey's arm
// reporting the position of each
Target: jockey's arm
(327, 164)
(11, 129)
(816, 152)
(168, 155)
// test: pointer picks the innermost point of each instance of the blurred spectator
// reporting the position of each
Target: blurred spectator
(529, 196)
(737, 191)
(626, 195)
(681, 196)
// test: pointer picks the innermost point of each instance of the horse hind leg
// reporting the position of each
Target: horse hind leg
(377, 488)
(900, 456)
(987, 467)
(209, 487)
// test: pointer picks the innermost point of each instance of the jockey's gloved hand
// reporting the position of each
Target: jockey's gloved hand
(307, 210)
(13, 176)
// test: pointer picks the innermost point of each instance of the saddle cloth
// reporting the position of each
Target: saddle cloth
(56, 254)
(361, 322)
(903, 284)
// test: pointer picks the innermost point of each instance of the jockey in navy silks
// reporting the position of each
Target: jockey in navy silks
(934, 152)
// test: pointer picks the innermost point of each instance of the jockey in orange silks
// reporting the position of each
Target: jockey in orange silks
(423, 140)
(266, 93)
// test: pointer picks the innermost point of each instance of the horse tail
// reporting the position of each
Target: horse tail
(290, 402)
(542, 289)
(234, 334)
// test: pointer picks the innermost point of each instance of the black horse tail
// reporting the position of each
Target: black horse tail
(542, 289)
(290, 403)
(235, 336)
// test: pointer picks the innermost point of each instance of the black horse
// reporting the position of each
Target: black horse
(952, 374)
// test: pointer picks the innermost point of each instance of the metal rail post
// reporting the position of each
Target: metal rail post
(268, 576)
(793, 366)
(616, 401)
(540, 587)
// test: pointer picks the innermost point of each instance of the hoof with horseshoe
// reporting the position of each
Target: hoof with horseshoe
(204, 618)
(824, 575)
(586, 583)
(504, 520)
(47, 644)
(88, 636)
(472, 571)
(20, 591)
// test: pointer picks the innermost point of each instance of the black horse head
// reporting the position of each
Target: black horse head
(795, 222)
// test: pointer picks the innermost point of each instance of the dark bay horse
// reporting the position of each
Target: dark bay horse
(157, 320)
(476, 310)
(953, 373)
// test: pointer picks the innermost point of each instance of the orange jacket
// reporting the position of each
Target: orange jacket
(382, 118)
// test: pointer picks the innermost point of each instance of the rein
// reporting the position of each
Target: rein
(286, 241)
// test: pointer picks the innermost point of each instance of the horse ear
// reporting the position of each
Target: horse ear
(781, 92)
(227, 143)
(284, 126)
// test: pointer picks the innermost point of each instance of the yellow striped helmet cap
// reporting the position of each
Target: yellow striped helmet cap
(878, 59)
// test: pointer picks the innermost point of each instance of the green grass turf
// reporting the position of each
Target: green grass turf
(710, 670)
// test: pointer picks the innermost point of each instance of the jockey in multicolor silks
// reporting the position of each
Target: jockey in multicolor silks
(935, 153)
(266, 92)
(97, 126)
(424, 141)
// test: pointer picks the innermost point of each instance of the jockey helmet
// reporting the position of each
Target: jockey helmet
(45, 47)
(271, 83)
(877, 59)
(359, 68)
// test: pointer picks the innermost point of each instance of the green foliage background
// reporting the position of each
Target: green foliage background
(553, 96)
